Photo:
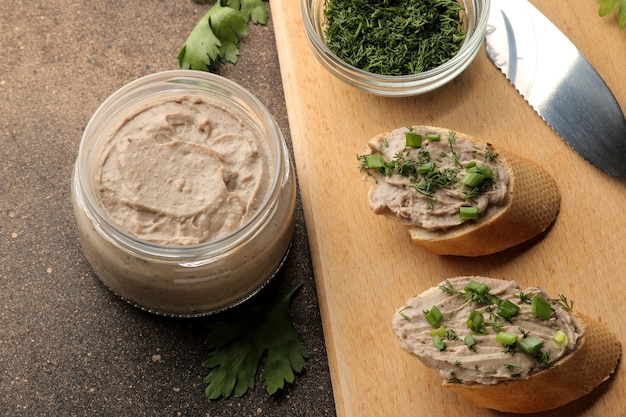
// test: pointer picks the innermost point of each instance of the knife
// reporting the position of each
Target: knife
(558, 82)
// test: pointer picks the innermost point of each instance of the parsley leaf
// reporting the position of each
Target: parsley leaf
(215, 38)
(610, 6)
(241, 339)
(255, 10)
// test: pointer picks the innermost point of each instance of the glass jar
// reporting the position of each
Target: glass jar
(184, 279)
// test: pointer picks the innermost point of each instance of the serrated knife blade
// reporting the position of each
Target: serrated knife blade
(558, 82)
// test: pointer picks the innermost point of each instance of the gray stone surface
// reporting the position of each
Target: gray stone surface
(68, 347)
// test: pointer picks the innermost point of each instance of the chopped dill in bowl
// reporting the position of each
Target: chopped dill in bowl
(394, 37)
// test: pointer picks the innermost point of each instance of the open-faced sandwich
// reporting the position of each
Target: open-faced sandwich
(506, 348)
(456, 194)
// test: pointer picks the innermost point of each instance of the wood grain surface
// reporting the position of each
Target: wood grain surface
(366, 266)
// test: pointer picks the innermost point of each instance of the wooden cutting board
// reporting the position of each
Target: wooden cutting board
(366, 266)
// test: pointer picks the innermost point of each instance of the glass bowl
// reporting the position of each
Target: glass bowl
(475, 21)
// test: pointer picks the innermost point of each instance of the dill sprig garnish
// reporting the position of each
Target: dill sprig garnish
(525, 298)
(449, 288)
(565, 303)
(429, 183)
(495, 325)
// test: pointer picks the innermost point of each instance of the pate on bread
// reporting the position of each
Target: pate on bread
(456, 194)
(506, 348)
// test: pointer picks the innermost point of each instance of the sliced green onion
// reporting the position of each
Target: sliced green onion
(477, 287)
(507, 309)
(433, 316)
(531, 345)
(469, 213)
(472, 167)
(413, 140)
(439, 331)
(505, 338)
(475, 322)
(485, 171)
(433, 137)
(560, 339)
(540, 308)
(439, 343)
(427, 167)
(469, 341)
(375, 161)
(472, 179)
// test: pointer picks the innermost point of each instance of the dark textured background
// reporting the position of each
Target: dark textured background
(68, 347)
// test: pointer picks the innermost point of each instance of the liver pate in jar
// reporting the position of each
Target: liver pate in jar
(183, 193)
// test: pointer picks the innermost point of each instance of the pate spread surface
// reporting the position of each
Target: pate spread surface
(488, 361)
(183, 171)
(395, 193)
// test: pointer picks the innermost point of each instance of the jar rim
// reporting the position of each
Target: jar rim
(220, 90)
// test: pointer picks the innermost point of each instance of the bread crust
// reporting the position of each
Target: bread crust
(575, 376)
(533, 204)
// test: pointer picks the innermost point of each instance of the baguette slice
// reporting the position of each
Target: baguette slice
(532, 206)
(591, 356)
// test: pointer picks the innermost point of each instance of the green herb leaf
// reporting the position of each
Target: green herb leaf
(255, 10)
(565, 303)
(511, 366)
(448, 288)
(240, 340)
(215, 38)
(524, 298)
(451, 335)
(228, 24)
(611, 6)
